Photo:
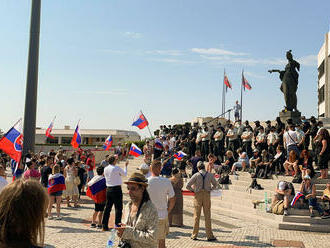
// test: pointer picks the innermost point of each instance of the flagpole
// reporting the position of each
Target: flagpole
(241, 116)
(147, 125)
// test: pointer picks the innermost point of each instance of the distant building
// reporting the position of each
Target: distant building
(88, 136)
(323, 64)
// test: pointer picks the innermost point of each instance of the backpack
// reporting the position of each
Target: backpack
(278, 208)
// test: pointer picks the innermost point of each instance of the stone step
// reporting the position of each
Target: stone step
(306, 219)
(304, 227)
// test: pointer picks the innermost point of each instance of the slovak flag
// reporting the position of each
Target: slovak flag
(135, 151)
(141, 122)
(76, 139)
(296, 197)
(179, 155)
(97, 189)
(159, 144)
(245, 83)
(108, 143)
(226, 82)
(12, 142)
(56, 183)
(49, 129)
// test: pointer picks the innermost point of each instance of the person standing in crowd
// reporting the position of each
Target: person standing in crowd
(324, 155)
(175, 217)
(256, 128)
(158, 149)
(192, 141)
(31, 172)
(232, 139)
(268, 127)
(218, 139)
(261, 139)
(139, 228)
(201, 184)
(22, 209)
(280, 128)
(3, 181)
(167, 162)
(237, 109)
(240, 129)
(113, 177)
(313, 132)
(246, 137)
(147, 151)
(90, 167)
(306, 126)
(192, 162)
(56, 186)
(104, 163)
(45, 171)
(205, 142)
(162, 196)
(291, 140)
(300, 138)
(71, 191)
(272, 141)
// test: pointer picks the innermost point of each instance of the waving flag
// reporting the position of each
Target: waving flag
(179, 155)
(50, 128)
(226, 82)
(56, 183)
(159, 144)
(76, 139)
(12, 142)
(97, 189)
(141, 122)
(245, 83)
(135, 151)
(296, 197)
(108, 143)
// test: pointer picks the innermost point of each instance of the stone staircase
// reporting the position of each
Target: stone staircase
(236, 202)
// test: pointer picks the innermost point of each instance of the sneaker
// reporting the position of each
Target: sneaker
(99, 226)
(311, 215)
(285, 213)
(59, 217)
(50, 217)
(194, 238)
(212, 239)
(93, 225)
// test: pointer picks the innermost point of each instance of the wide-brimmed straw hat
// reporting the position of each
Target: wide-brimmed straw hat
(137, 178)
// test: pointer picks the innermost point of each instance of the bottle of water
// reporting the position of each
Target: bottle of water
(111, 239)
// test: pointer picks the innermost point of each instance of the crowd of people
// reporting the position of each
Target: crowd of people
(156, 189)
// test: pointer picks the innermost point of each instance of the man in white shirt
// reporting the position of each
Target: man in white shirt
(162, 196)
(113, 174)
(290, 140)
(300, 137)
(246, 137)
(272, 140)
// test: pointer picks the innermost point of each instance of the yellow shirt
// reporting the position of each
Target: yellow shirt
(326, 192)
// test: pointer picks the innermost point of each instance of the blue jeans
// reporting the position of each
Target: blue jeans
(312, 202)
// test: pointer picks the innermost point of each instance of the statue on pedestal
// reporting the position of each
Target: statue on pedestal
(289, 78)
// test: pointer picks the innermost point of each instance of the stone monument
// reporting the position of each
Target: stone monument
(289, 78)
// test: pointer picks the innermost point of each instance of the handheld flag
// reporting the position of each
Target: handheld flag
(135, 150)
(97, 189)
(56, 183)
(245, 83)
(295, 199)
(49, 129)
(179, 155)
(226, 82)
(141, 122)
(159, 144)
(108, 143)
(12, 142)
(76, 139)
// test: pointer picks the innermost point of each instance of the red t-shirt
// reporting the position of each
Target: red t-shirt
(90, 165)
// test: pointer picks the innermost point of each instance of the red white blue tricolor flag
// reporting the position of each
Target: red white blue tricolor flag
(159, 144)
(179, 155)
(76, 139)
(108, 143)
(296, 197)
(97, 189)
(245, 83)
(135, 150)
(56, 183)
(12, 142)
(50, 128)
(141, 122)
(226, 82)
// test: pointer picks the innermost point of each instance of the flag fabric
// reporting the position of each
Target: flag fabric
(96, 189)
(76, 139)
(108, 143)
(56, 183)
(179, 155)
(49, 130)
(141, 122)
(245, 83)
(296, 197)
(12, 142)
(135, 150)
(159, 144)
(226, 82)
(16, 171)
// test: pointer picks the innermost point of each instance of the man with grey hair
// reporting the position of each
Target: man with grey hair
(201, 184)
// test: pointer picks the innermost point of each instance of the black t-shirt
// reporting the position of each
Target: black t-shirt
(45, 172)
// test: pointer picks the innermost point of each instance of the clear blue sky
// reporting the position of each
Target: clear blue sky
(102, 61)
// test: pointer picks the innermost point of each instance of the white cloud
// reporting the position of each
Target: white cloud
(166, 52)
(309, 60)
(175, 61)
(216, 51)
(133, 35)
(245, 60)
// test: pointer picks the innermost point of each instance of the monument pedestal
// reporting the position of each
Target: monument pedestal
(294, 115)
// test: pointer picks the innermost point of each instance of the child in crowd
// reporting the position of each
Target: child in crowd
(97, 191)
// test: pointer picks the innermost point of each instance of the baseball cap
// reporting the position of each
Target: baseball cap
(144, 167)
(256, 150)
(281, 186)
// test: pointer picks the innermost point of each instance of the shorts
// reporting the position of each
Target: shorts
(99, 207)
(58, 193)
(90, 174)
(163, 228)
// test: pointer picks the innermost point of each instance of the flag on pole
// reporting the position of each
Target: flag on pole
(108, 143)
(12, 142)
(245, 83)
(179, 155)
(226, 82)
(76, 139)
(141, 122)
(50, 128)
(135, 150)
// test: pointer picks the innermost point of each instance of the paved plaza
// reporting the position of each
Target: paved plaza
(74, 231)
